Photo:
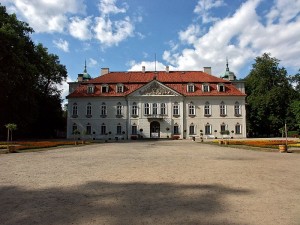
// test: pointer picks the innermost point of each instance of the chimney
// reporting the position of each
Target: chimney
(104, 71)
(143, 69)
(167, 69)
(207, 70)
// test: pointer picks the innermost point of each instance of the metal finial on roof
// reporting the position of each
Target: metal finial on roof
(227, 67)
(85, 66)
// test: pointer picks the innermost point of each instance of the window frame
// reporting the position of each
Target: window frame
(192, 129)
(237, 109)
(120, 88)
(205, 87)
(207, 109)
(74, 110)
(89, 110)
(209, 130)
(222, 107)
(134, 109)
(88, 129)
(192, 109)
(146, 109)
(190, 87)
(119, 109)
(240, 128)
(176, 109)
(104, 88)
(163, 109)
(154, 109)
(103, 129)
(90, 89)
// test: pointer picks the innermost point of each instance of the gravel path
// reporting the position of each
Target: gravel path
(158, 182)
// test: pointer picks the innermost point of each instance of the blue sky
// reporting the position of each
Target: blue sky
(186, 35)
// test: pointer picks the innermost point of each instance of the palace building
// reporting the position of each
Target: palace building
(156, 104)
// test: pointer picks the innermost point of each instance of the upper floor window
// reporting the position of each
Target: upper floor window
(191, 87)
(119, 109)
(207, 130)
(89, 110)
(104, 88)
(222, 109)
(154, 109)
(74, 110)
(221, 87)
(147, 109)
(163, 109)
(237, 109)
(207, 109)
(134, 109)
(90, 89)
(103, 109)
(120, 88)
(205, 88)
(176, 109)
(192, 109)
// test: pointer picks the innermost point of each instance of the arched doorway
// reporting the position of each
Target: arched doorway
(154, 129)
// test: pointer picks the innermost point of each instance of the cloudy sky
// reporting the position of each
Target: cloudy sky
(186, 35)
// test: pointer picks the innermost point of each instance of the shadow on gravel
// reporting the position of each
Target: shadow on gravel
(117, 203)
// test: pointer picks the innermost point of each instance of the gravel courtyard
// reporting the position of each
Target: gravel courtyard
(157, 182)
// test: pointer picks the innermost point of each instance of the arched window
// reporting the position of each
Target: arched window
(192, 109)
(222, 109)
(207, 109)
(237, 109)
(89, 110)
(134, 109)
(74, 110)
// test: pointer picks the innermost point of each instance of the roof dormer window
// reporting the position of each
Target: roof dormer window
(104, 88)
(191, 87)
(90, 89)
(221, 87)
(205, 87)
(120, 88)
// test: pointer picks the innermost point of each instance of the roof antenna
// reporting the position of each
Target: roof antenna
(227, 68)
(85, 66)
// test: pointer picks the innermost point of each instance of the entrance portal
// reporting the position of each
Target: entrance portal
(154, 129)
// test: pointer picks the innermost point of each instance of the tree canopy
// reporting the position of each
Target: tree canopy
(269, 97)
(28, 77)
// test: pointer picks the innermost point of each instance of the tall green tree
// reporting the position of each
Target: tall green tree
(28, 79)
(269, 95)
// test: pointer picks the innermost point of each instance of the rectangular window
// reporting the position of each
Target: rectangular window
(222, 110)
(176, 129)
(134, 129)
(154, 108)
(103, 129)
(74, 110)
(163, 109)
(238, 129)
(192, 129)
(90, 89)
(192, 109)
(205, 88)
(104, 89)
(88, 129)
(208, 129)
(103, 110)
(119, 129)
(119, 89)
(147, 109)
(207, 110)
(175, 109)
(221, 88)
(134, 110)
(74, 128)
(119, 110)
(237, 110)
(89, 110)
(191, 88)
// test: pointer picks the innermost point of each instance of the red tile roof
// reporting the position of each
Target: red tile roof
(176, 80)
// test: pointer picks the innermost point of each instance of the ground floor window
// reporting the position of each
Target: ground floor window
(176, 129)
(134, 129)
(88, 129)
(74, 128)
(207, 129)
(103, 129)
(192, 129)
(119, 129)
(238, 129)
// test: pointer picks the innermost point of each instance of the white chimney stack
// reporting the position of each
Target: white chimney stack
(143, 69)
(167, 69)
(104, 71)
(207, 70)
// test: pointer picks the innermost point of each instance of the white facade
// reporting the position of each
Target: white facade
(156, 111)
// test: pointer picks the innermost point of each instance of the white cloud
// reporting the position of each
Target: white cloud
(92, 62)
(62, 44)
(112, 32)
(80, 28)
(48, 16)
(109, 7)
(149, 66)
(203, 7)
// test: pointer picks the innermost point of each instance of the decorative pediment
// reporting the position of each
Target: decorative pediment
(155, 88)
